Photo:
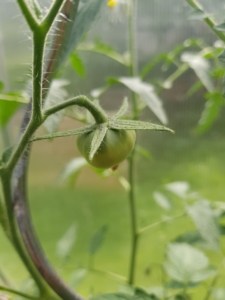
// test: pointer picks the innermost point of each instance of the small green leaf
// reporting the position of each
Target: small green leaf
(123, 109)
(7, 110)
(77, 64)
(56, 95)
(71, 132)
(195, 87)
(98, 138)
(144, 295)
(97, 240)
(211, 112)
(220, 27)
(7, 153)
(77, 277)
(162, 200)
(66, 243)
(71, 170)
(187, 264)
(104, 49)
(179, 188)
(204, 218)
(198, 14)
(191, 237)
(136, 125)
(221, 56)
(20, 97)
(201, 68)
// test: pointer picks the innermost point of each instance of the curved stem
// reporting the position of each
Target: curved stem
(6, 187)
(133, 70)
(83, 101)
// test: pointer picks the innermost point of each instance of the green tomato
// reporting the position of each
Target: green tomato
(115, 147)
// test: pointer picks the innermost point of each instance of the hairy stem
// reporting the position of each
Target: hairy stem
(30, 18)
(209, 21)
(98, 114)
(133, 213)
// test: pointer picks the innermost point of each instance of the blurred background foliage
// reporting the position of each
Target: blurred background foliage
(93, 201)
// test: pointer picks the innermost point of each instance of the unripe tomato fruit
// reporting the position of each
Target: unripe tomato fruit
(115, 147)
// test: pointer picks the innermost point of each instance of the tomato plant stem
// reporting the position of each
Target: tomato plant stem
(133, 70)
(194, 4)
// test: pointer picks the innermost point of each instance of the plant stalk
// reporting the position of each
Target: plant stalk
(133, 71)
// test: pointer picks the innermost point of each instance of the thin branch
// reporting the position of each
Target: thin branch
(51, 15)
(194, 4)
(30, 18)
(111, 275)
(9, 290)
(83, 101)
(140, 231)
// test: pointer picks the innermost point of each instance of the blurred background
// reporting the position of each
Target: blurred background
(93, 201)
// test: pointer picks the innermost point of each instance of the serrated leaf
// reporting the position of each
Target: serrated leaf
(204, 218)
(201, 68)
(179, 188)
(136, 125)
(71, 170)
(220, 27)
(162, 200)
(187, 264)
(77, 64)
(77, 277)
(99, 47)
(97, 240)
(146, 92)
(83, 22)
(70, 132)
(66, 243)
(56, 95)
(123, 109)
(98, 138)
(198, 14)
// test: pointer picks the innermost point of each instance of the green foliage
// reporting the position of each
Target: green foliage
(97, 240)
(77, 64)
(66, 243)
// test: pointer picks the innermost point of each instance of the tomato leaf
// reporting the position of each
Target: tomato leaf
(70, 132)
(136, 125)
(71, 170)
(147, 94)
(97, 240)
(77, 64)
(66, 243)
(204, 218)
(99, 47)
(98, 138)
(201, 68)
